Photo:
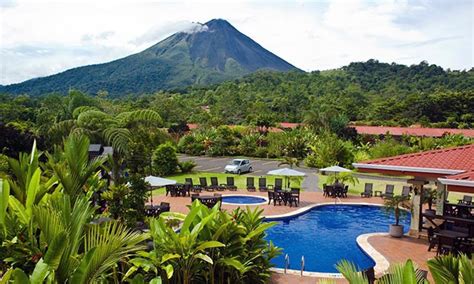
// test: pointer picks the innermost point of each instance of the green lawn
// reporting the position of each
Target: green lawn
(239, 180)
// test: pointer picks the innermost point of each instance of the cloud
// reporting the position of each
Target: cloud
(158, 32)
(195, 28)
(7, 3)
(97, 37)
(312, 35)
(430, 41)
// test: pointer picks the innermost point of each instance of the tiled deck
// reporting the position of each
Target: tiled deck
(394, 250)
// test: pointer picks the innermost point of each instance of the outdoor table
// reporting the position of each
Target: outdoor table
(452, 234)
(377, 193)
(155, 210)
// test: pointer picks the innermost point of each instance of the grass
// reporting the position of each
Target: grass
(379, 185)
(356, 189)
(239, 180)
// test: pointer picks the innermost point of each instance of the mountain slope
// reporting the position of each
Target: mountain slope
(214, 53)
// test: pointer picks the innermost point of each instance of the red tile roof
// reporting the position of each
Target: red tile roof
(456, 158)
(464, 176)
(289, 124)
(413, 131)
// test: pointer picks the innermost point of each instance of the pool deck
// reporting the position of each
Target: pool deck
(392, 249)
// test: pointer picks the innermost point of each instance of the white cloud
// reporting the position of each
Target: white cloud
(44, 37)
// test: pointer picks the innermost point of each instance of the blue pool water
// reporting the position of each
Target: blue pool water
(243, 199)
(327, 234)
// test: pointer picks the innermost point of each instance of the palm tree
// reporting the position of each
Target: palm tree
(76, 251)
(452, 269)
(291, 162)
(72, 167)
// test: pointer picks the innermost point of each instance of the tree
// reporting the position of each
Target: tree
(165, 161)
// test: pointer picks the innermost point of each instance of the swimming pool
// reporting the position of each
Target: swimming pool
(327, 234)
(243, 199)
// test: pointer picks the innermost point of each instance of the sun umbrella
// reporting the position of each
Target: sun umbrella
(158, 181)
(335, 169)
(286, 172)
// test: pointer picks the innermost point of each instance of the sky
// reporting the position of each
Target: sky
(40, 38)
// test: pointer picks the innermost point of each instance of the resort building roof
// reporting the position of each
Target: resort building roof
(412, 131)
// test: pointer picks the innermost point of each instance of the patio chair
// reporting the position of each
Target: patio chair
(367, 190)
(278, 184)
(203, 183)
(295, 195)
(466, 200)
(271, 196)
(388, 191)
(250, 184)
(172, 190)
(406, 191)
(262, 184)
(195, 188)
(324, 190)
(165, 206)
(215, 184)
(432, 238)
(345, 191)
(231, 184)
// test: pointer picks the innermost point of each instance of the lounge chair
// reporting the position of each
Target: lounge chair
(195, 188)
(466, 200)
(367, 190)
(388, 191)
(172, 190)
(262, 184)
(250, 184)
(406, 191)
(203, 183)
(230, 184)
(215, 184)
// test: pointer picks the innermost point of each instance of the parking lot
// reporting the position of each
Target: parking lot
(259, 166)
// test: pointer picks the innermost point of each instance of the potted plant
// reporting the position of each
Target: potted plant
(396, 205)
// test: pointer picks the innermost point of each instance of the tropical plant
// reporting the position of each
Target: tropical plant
(72, 166)
(397, 204)
(186, 166)
(75, 251)
(452, 269)
(343, 178)
(401, 273)
(165, 161)
(290, 161)
(429, 195)
(211, 246)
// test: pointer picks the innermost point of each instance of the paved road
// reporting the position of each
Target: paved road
(262, 166)
(259, 166)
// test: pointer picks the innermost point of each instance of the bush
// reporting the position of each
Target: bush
(165, 161)
(261, 152)
(202, 251)
(4, 166)
(388, 148)
(186, 166)
(190, 145)
(329, 150)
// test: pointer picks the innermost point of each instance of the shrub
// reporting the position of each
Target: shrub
(329, 150)
(387, 148)
(212, 246)
(261, 152)
(186, 166)
(190, 145)
(165, 161)
(4, 166)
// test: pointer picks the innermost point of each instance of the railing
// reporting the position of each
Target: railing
(302, 265)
